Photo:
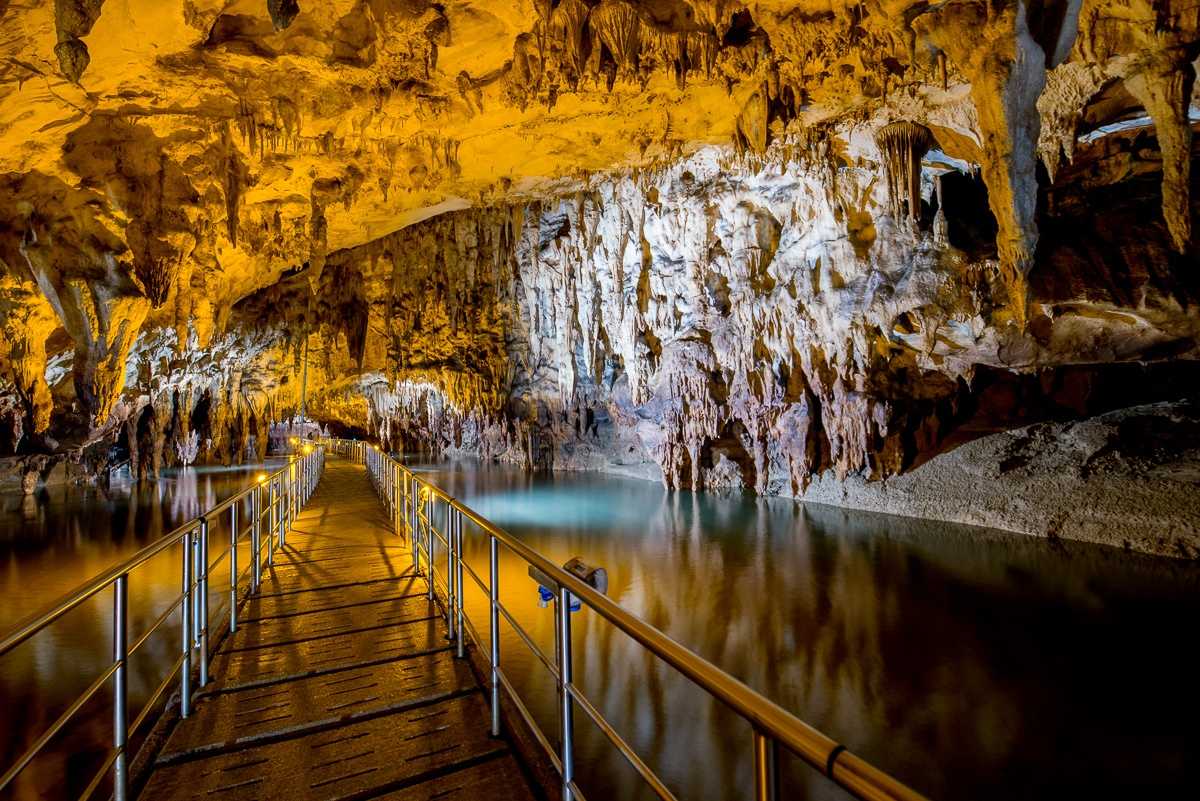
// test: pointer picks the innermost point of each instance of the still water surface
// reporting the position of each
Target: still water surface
(50, 544)
(971, 664)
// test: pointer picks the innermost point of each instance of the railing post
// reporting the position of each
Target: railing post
(429, 542)
(494, 591)
(120, 684)
(289, 506)
(448, 530)
(413, 535)
(766, 767)
(397, 501)
(458, 589)
(281, 518)
(202, 598)
(566, 715)
(271, 490)
(256, 538)
(185, 689)
(233, 566)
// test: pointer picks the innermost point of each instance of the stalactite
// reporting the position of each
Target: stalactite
(571, 17)
(752, 132)
(903, 145)
(73, 19)
(1164, 87)
(615, 25)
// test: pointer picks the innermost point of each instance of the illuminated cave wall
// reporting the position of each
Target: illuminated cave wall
(801, 248)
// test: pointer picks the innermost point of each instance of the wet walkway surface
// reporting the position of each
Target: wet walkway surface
(339, 682)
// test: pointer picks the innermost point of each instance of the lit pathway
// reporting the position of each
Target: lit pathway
(339, 682)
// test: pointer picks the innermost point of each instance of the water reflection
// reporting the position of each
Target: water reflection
(52, 542)
(971, 664)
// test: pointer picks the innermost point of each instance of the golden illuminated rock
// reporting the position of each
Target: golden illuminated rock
(704, 241)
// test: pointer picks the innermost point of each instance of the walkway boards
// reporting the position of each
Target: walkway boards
(339, 682)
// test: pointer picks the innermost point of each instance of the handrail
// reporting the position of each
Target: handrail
(39, 620)
(288, 487)
(773, 725)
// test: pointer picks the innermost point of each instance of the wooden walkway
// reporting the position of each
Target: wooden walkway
(339, 682)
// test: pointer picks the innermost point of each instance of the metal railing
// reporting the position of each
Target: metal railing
(412, 501)
(286, 490)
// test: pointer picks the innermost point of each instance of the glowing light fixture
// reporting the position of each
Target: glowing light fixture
(262, 477)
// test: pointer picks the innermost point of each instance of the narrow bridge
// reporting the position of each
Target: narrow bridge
(345, 665)
(340, 679)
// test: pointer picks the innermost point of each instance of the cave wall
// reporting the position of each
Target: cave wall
(713, 243)
(759, 321)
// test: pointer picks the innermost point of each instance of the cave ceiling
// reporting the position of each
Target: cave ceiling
(201, 188)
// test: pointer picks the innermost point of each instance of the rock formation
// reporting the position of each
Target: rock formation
(708, 242)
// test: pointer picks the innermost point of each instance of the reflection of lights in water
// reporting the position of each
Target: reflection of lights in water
(52, 542)
(932, 652)
(184, 503)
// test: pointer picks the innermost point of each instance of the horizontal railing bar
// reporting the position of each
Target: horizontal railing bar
(113, 753)
(157, 694)
(171, 609)
(529, 721)
(529, 643)
(430, 527)
(867, 781)
(475, 576)
(620, 744)
(219, 559)
(225, 504)
(221, 612)
(576, 793)
(39, 620)
(471, 630)
(57, 726)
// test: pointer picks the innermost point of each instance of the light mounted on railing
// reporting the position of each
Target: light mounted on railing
(261, 478)
(595, 577)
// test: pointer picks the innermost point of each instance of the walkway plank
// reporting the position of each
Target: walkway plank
(339, 681)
